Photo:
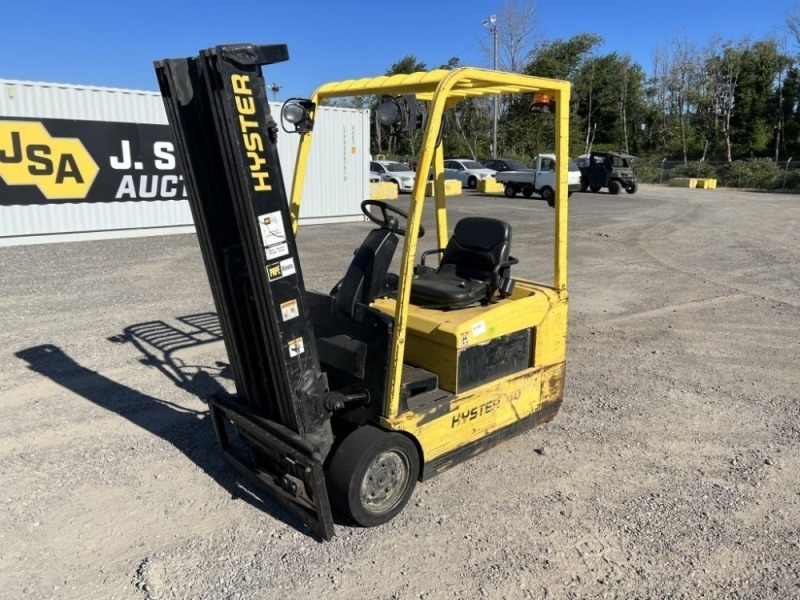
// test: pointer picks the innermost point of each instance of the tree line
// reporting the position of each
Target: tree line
(726, 100)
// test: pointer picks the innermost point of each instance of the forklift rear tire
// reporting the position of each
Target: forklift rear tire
(614, 187)
(372, 475)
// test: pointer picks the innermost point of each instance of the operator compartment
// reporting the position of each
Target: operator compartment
(470, 346)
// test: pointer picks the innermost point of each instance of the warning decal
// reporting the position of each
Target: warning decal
(273, 235)
(289, 310)
(296, 347)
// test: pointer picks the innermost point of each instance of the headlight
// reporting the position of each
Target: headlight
(407, 179)
(298, 112)
(294, 113)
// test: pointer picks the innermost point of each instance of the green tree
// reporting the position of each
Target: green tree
(609, 92)
(404, 144)
(524, 136)
(406, 65)
(755, 119)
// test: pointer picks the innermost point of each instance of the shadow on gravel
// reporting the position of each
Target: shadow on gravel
(190, 431)
(163, 346)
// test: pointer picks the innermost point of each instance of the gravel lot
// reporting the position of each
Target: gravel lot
(670, 472)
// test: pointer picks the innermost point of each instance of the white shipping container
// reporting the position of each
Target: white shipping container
(337, 178)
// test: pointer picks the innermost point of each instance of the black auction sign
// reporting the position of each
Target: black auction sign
(49, 161)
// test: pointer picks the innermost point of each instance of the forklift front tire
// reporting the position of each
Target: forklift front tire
(372, 475)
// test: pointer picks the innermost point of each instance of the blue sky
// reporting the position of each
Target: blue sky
(115, 43)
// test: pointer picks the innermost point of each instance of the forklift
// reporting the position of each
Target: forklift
(346, 399)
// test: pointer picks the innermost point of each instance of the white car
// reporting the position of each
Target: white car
(469, 172)
(398, 173)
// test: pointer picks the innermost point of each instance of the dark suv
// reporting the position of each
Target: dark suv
(610, 170)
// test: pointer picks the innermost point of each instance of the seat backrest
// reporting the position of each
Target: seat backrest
(478, 245)
(366, 275)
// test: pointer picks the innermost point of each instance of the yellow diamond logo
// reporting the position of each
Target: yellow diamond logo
(61, 168)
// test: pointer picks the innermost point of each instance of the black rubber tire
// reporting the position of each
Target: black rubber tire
(472, 182)
(510, 192)
(614, 187)
(548, 194)
(631, 189)
(369, 452)
(527, 192)
(595, 188)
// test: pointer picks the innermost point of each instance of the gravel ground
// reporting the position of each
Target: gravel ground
(670, 472)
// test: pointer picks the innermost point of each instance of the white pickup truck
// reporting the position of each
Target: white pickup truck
(541, 179)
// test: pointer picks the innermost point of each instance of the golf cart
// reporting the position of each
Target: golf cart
(610, 170)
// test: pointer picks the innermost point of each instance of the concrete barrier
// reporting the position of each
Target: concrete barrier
(685, 182)
(385, 190)
(452, 187)
(490, 186)
(707, 184)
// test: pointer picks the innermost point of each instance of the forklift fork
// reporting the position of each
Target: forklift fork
(291, 464)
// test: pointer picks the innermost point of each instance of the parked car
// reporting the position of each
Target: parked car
(506, 164)
(396, 172)
(469, 172)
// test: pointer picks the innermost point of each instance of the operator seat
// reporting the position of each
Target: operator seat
(475, 265)
(368, 276)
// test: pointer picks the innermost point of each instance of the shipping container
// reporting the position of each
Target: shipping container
(80, 162)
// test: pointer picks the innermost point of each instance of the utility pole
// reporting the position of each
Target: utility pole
(491, 25)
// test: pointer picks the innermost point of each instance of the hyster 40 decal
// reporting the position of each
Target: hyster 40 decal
(61, 168)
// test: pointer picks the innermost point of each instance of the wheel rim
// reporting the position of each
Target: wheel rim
(385, 482)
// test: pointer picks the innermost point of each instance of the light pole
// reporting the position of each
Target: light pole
(275, 88)
(491, 25)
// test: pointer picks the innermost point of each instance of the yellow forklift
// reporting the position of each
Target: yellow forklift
(350, 397)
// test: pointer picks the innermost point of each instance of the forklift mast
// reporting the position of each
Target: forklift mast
(226, 138)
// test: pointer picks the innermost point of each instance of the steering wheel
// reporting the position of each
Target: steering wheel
(387, 221)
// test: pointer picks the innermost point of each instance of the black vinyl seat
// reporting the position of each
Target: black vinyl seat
(368, 276)
(475, 265)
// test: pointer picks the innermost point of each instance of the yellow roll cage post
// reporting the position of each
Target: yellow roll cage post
(444, 89)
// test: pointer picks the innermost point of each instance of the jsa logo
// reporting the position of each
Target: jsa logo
(61, 168)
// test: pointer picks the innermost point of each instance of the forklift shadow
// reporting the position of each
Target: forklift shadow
(174, 351)
(180, 426)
